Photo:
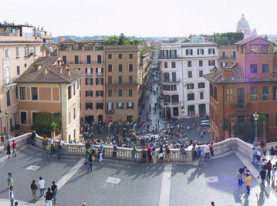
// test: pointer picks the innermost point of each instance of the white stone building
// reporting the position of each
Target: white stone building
(184, 90)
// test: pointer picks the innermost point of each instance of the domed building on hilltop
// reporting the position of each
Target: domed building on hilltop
(243, 26)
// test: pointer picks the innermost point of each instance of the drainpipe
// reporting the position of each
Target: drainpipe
(61, 109)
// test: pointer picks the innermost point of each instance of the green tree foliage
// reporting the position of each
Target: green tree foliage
(229, 37)
(44, 122)
(121, 40)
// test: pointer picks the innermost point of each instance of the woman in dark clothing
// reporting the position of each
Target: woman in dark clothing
(9, 150)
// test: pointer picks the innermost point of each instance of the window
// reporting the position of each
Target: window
(200, 63)
(23, 116)
(241, 118)
(120, 92)
(6, 52)
(234, 54)
(130, 105)
(99, 106)
(64, 59)
(69, 92)
(120, 105)
(240, 95)
(130, 92)
(99, 81)
(130, 56)
(76, 59)
(8, 98)
(130, 79)
(189, 74)
(201, 85)
(34, 93)
(211, 62)
(265, 68)
(88, 59)
(109, 106)
(253, 68)
(89, 93)
(131, 67)
(190, 86)
(129, 118)
(88, 71)
(120, 79)
(22, 93)
(110, 92)
(18, 70)
(89, 81)
(201, 95)
(166, 87)
(253, 93)
(265, 93)
(229, 94)
(110, 79)
(173, 87)
(17, 51)
(274, 93)
(99, 59)
(189, 52)
(201, 73)
(166, 77)
(120, 56)
(120, 68)
(223, 54)
(165, 65)
(35, 50)
(200, 51)
(110, 68)
(211, 51)
(26, 51)
(110, 56)
(89, 106)
(173, 64)
(99, 93)
(190, 97)
(174, 77)
(175, 98)
(166, 98)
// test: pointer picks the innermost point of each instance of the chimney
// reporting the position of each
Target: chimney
(67, 72)
(36, 67)
(227, 73)
(44, 72)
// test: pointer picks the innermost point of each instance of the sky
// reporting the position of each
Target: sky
(141, 17)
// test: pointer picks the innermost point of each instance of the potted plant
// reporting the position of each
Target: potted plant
(53, 129)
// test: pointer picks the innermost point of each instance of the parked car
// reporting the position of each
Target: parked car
(205, 123)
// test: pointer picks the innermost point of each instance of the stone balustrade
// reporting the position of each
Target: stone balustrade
(230, 144)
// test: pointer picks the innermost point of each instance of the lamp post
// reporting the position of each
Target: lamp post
(256, 116)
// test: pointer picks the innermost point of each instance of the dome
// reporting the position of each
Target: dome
(243, 23)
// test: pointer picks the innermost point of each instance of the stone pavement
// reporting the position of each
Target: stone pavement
(134, 184)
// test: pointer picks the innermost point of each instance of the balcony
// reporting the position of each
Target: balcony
(122, 83)
(241, 106)
(226, 57)
(109, 111)
(166, 103)
(167, 82)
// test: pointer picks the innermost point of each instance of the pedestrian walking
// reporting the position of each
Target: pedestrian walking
(149, 152)
(134, 151)
(269, 168)
(34, 189)
(167, 150)
(11, 196)
(14, 148)
(262, 175)
(54, 189)
(52, 145)
(49, 197)
(212, 149)
(44, 140)
(87, 155)
(248, 182)
(9, 150)
(200, 156)
(114, 151)
(33, 138)
(240, 174)
(90, 161)
(60, 150)
(100, 153)
(47, 148)
(41, 185)
(207, 152)
(10, 180)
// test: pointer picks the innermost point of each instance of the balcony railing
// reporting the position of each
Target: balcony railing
(110, 111)
(241, 106)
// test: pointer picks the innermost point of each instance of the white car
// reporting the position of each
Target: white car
(205, 123)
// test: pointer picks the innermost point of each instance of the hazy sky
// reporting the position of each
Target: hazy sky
(141, 17)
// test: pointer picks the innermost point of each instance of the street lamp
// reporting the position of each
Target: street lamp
(256, 116)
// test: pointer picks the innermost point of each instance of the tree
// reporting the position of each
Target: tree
(227, 38)
(121, 39)
(44, 123)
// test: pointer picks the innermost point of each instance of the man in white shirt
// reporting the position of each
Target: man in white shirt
(41, 184)
(207, 152)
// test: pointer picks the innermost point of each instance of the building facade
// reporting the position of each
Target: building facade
(226, 56)
(88, 57)
(19, 48)
(247, 87)
(183, 64)
(50, 86)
